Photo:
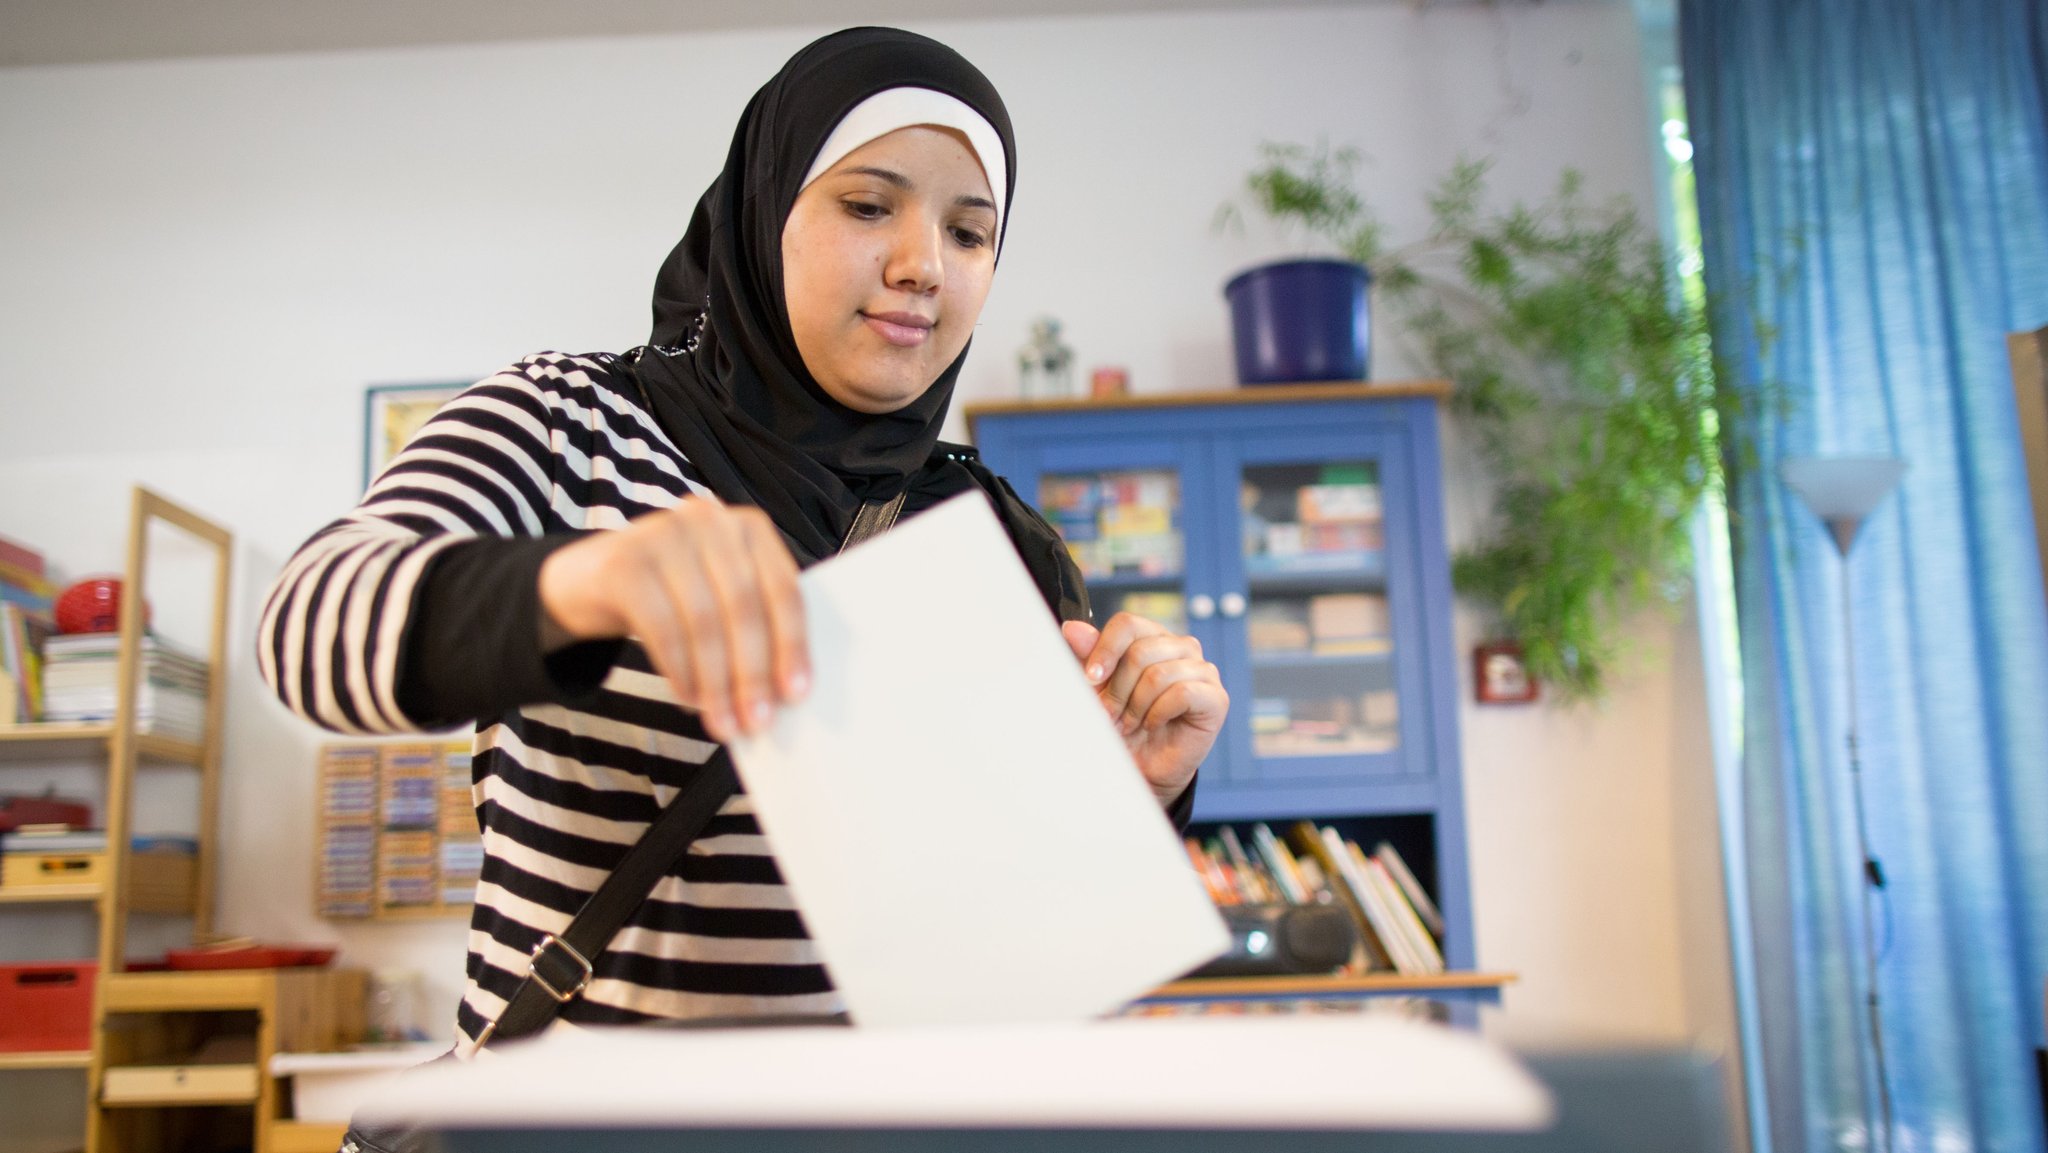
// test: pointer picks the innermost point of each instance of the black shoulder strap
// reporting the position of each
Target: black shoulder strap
(562, 963)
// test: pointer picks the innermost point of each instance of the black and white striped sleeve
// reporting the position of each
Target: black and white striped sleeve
(334, 629)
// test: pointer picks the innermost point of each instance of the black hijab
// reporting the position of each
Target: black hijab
(722, 370)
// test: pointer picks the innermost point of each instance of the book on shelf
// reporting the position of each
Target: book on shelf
(1211, 871)
(1415, 946)
(1418, 897)
(1280, 863)
(1373, 903)
(65, 839)
(81, 672)
(30, 590)
(23, 637)
(1117, 523)
(1373, 955)
(1397, 933)
(1394, 932)
(16, 557)
(1349, 623)
(1259, 888)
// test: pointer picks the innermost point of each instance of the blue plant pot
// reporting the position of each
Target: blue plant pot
(1300, 320)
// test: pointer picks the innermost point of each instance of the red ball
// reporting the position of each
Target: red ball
(92, 605)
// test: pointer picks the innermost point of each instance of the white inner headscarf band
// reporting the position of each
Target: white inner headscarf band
(885, 112)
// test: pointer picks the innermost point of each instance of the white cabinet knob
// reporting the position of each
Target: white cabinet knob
(1201, 607)
(1233, 604)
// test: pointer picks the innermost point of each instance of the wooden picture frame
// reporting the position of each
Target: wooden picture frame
(1500, 676)
(393, 414)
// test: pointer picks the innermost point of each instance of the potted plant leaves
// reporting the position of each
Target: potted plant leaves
(1585, 372)
(1307, 318)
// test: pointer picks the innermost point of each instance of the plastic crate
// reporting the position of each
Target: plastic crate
(46, 1007)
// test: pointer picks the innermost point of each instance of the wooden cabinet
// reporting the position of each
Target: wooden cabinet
(183, 1058)
(1298, 533)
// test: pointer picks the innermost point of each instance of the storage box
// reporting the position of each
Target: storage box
(223, 1071)
(178, 1084)
(19, 870)
(162, 882)
(46, 1007)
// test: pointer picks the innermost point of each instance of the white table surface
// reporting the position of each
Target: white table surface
(1362, 1072)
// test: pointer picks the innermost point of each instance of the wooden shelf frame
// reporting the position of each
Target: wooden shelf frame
(84, 892)
(51, 1059)
(1249, 394)
(126, 745)
(41, 740)
(1328, 987)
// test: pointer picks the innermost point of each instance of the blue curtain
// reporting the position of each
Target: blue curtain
(1873, 185)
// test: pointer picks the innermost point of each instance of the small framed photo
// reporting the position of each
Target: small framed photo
(1499, 674)
(393, 414)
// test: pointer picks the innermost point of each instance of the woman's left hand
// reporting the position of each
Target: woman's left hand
(1167, 701)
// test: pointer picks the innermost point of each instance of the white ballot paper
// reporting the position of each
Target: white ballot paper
(959, 821)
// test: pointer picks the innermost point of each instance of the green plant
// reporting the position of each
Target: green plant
(1586, 376)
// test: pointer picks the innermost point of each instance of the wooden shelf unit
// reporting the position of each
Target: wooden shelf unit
(127, 882)
(43, 740)
(305, 1137)
(59, 1059)
(160, 1018)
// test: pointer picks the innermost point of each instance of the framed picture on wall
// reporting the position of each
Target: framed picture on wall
(392, 414)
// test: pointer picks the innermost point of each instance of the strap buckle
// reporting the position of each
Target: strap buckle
(581, 973)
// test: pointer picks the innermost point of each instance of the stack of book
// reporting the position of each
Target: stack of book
(1349, 624)
(1342, 513)
(80, 676)
(26, 596)
(1338, 524)
(1399, 926)
(1276, 626)
(1166, 608)
(1116, 524)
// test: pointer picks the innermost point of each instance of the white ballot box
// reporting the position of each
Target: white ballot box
(1193, 1085)
(1350, 1072)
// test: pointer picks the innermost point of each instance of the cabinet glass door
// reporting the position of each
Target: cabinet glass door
(1322, 673)
(1317, 623)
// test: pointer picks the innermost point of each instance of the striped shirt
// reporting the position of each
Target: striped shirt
(554, 444)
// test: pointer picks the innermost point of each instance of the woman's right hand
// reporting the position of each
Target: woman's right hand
(709, 590)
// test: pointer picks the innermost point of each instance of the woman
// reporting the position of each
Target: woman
(808, 332)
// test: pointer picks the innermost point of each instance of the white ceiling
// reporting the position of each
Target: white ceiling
(79, 31)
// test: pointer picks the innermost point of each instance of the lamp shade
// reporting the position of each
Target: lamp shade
(1842, 490)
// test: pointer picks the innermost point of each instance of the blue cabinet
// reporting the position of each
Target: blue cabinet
(1297, 532)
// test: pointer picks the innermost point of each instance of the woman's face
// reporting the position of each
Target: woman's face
(886, 260)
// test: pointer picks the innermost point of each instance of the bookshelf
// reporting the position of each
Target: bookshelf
(1297, 532)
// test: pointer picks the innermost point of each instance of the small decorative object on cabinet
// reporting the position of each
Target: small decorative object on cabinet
(1045, 365)
(1297, 532)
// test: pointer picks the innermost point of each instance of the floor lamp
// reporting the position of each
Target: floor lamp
(1842, 492)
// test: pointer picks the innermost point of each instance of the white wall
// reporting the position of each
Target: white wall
(207, 261)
